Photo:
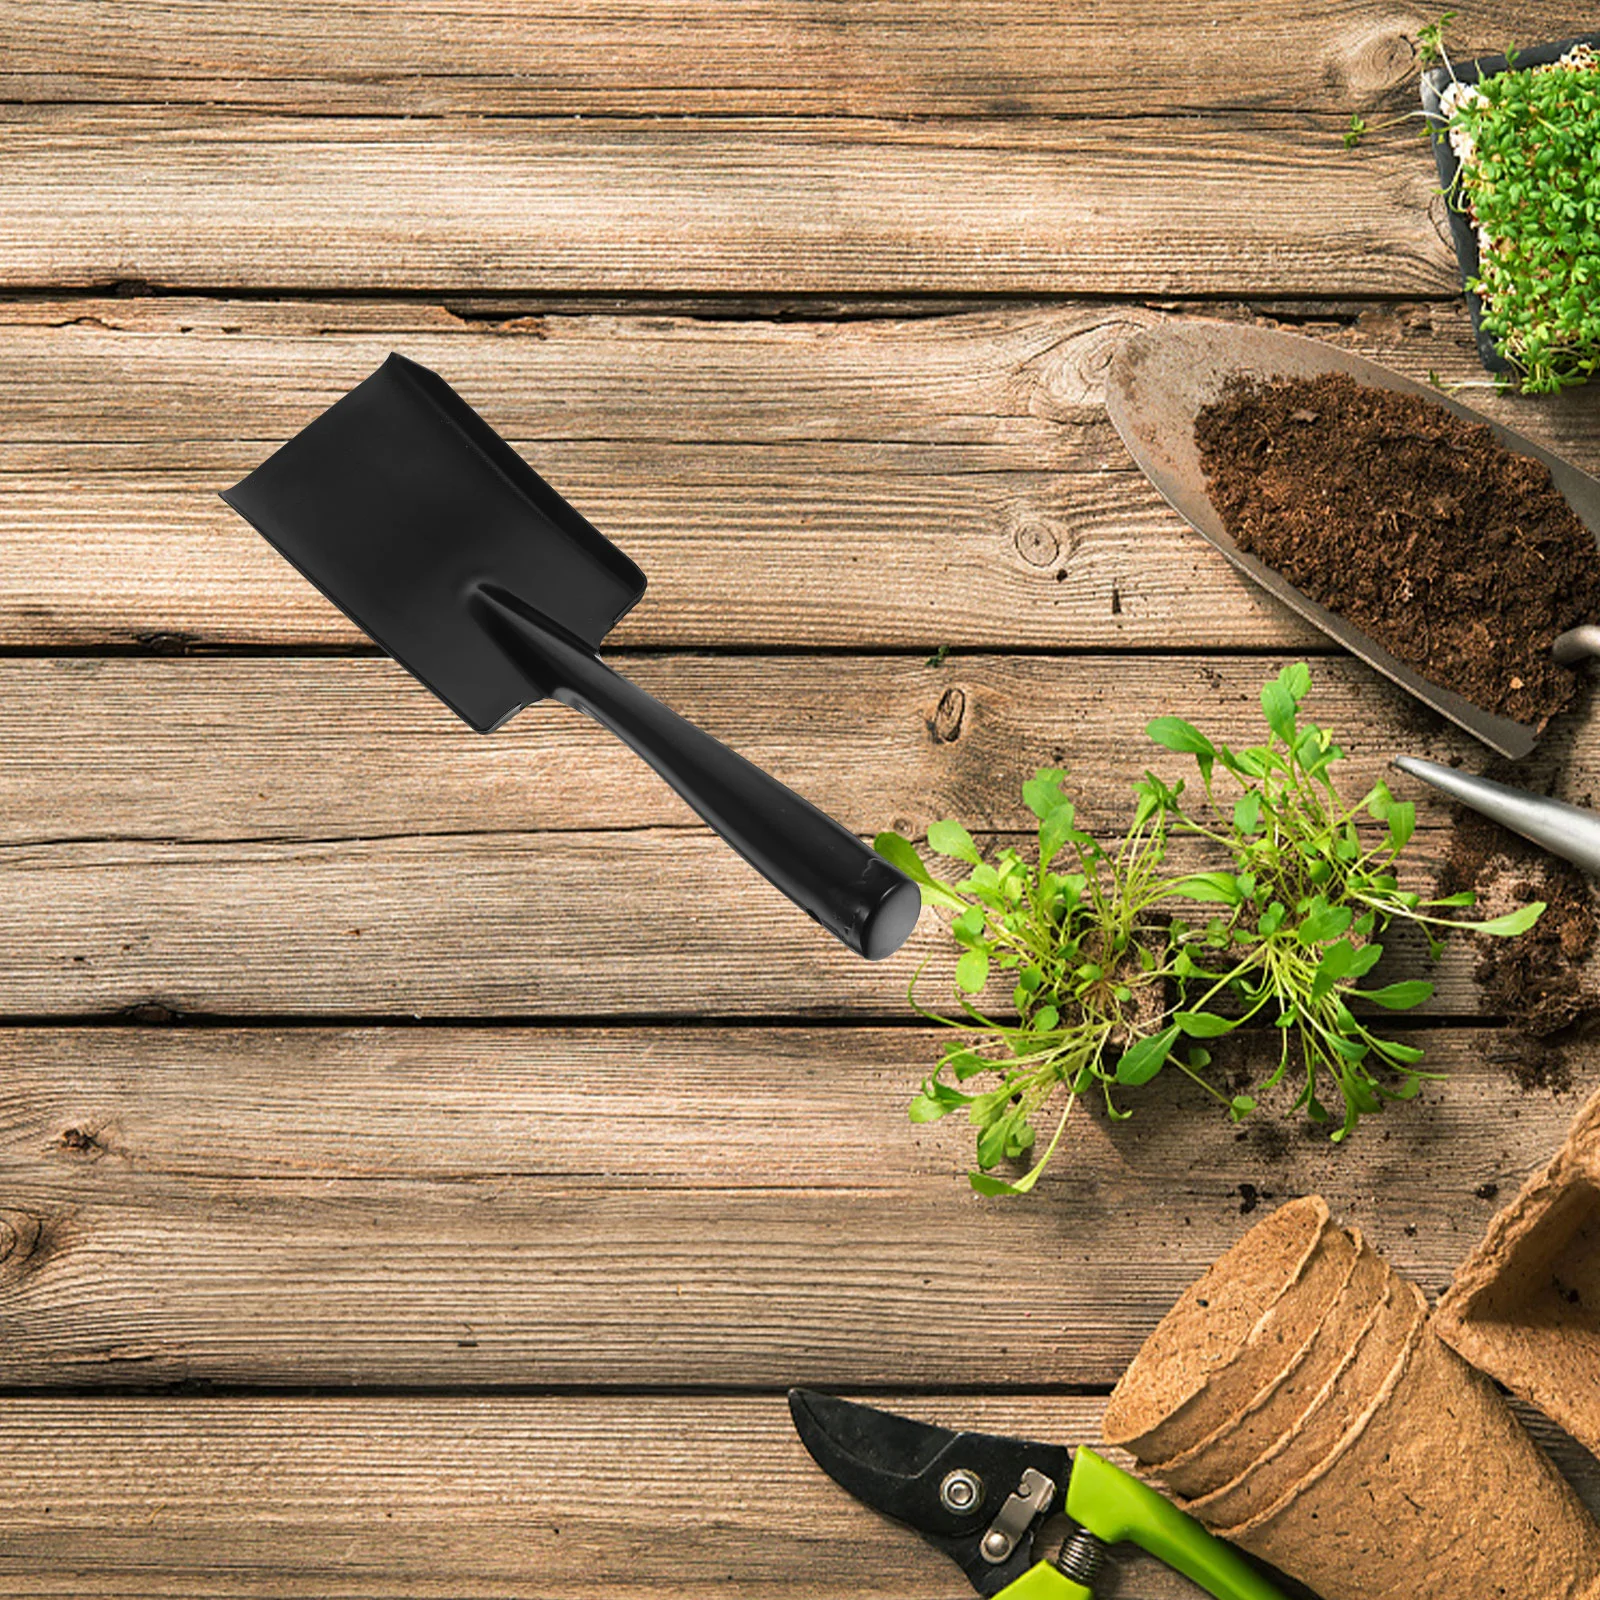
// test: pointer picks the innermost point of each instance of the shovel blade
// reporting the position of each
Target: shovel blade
(399, 502)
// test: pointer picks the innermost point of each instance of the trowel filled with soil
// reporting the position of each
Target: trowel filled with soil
(1456, 557)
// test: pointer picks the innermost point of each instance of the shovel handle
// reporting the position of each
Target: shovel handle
(825, 869)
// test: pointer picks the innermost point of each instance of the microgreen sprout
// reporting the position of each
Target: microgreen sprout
(1528, 147)
(1533, 185)
(1430, 40)
(1114, 974)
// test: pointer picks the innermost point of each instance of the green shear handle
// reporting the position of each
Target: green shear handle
(1116, 1508)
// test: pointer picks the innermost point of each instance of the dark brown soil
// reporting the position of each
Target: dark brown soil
(1538, 982)
(1457, 555)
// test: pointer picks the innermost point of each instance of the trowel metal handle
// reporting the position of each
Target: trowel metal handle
(824, 868)
(1567, 831)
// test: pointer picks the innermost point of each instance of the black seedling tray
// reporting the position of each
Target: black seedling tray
(1434, 82)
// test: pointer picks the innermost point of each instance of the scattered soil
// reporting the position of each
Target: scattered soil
(1457, 555)
(1538, 982)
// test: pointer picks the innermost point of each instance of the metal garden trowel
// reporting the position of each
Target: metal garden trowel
(1571, 832)
(415, 518)
(1163, 377)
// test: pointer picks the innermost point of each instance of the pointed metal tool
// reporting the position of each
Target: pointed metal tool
(1162, 378)
(1568, 831)
(984, 1500)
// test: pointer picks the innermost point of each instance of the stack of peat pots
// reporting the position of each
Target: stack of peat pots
(1297, 1401)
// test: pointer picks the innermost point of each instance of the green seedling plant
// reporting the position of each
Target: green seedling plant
(1528, 145)
(1532, 184)
(1123, 965)
(1079, 933)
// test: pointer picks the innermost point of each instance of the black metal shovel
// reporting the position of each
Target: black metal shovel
(415, 518)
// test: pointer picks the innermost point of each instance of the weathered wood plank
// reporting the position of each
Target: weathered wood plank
(905, 483)
(479, 1499)
(651, 1206)
(1235, 204)
(321, 749)
(320, 837)
(864, 58)
(641, 923)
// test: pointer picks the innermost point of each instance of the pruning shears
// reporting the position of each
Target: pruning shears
(984, 1500)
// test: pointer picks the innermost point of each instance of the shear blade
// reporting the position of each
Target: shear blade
(900, 1468)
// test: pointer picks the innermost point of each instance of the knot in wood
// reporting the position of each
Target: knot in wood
(1369, 61)
(1037, 545)
(19, 1237)
(946, 724)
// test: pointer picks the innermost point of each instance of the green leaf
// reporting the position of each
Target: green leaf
(1341, 961)
(901, 853)
(1042, 793)
(951, 839)
(1202, 1024)
(1513, 922)
(1247, 812)
(1245, 763)
(1141, 1061)
(966, 1064)
(936, 1100)
(1173, 733)
(982, 1183)
(1394, 1051)
(1399, 996)
(1045, 1019)
(1278, 706)
(1324, 922)
(1240, 1107)
(969, 927)
(1211, 888)
(1402, 824)
(972, 971)
(1055, 831)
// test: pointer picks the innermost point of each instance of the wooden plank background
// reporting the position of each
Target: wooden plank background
(425, 1160)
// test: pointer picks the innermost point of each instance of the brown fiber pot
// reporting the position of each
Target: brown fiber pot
(1525, 1305)
(1339, 1408)
(1437, 1493)
(1279, 1409)
(1230, 1336)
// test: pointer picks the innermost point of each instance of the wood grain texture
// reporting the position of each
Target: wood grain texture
(203, 198)
(320, 838)
(262, 749)
(902, 483)
(777, 57)
(651, 1207)
(465, 1498)
(654, 922)
(862, 58)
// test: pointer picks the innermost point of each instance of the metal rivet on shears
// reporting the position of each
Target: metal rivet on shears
(961, 1490)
